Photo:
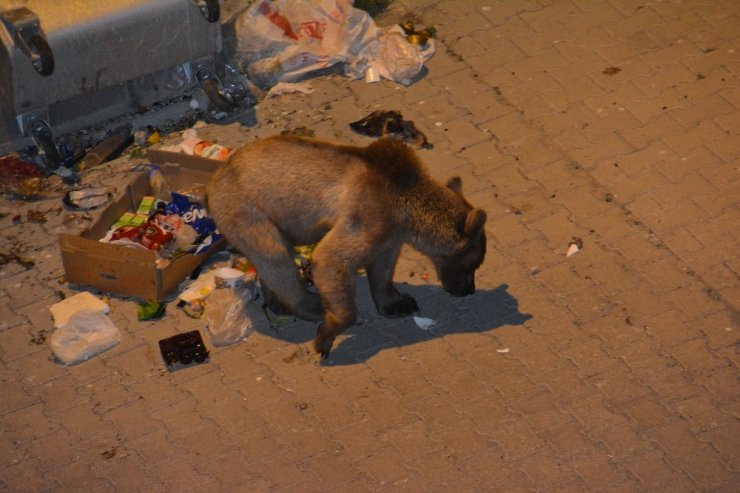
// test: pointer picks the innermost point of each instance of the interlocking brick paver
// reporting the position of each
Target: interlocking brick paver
(706, 470)
(614, 122)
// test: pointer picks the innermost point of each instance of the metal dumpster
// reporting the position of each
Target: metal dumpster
(70, 63)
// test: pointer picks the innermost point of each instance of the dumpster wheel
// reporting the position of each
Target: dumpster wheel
(212, 89)
(211, 9)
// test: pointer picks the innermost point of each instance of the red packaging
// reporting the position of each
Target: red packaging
(127, 232)
(153, 237)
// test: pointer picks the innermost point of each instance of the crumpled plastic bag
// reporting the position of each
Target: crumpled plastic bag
(85, 334)
(395, 58)
(288, 40)
(226, 317)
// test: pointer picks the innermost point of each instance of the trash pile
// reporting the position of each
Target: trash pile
(278, 43)
(83, 328)
(192, 145)
(288, 40)
(168, 227)
(224, 298)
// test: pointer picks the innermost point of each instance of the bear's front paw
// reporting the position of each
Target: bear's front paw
(401, 306)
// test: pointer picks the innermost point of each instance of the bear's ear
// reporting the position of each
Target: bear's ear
(455, 184)
(474, 223)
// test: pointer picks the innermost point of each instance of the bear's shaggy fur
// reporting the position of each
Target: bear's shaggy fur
(360, 204)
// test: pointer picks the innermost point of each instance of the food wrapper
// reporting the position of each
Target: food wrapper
(194, 215)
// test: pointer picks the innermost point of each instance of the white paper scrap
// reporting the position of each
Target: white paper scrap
(63, 311)
(424, 323)
(289, 87)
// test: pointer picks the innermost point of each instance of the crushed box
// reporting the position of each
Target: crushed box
(130, 271)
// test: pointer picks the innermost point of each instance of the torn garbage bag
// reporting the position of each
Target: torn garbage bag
(289, 40)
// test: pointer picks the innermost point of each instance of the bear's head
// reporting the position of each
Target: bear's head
(457, 270)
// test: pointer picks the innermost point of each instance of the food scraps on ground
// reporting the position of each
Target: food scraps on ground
(390, 123)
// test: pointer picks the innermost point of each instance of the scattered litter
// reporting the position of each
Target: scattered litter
(289, 40)
(65, 309)
(181, 225)
(276, 321)
(6, 258)
(36, 216)
(199, 288)
(39, 338)
(302, 258)
(151, 310)
(424, 323)
(235, 273)
(183, 350)
(193, 145)
(21, 178)
(108, 148)
(226, 318)
(301, 131)
(148, 135)
(394, 56)
(575, 246)
(390, 123)
(420, 38)
(503, 351)
(160, 186)
(87, 198)
(228, 277)
(289, 88)
(84, 334)
(194, 309)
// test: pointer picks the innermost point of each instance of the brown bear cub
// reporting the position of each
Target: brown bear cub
(360, 204)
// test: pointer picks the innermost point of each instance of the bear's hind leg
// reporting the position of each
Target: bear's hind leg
(282, 287)
(284, 291)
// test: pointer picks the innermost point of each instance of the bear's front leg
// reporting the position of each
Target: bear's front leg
(388, 300)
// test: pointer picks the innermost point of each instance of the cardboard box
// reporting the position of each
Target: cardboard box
(131, 271)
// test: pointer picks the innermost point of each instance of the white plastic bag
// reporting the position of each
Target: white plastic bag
(226, 317)
(394, 58)
(85, 334)
(287, 40)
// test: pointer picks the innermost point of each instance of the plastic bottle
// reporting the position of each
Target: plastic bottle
(158, 182)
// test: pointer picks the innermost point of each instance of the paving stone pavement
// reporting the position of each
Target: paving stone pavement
(616, 369)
